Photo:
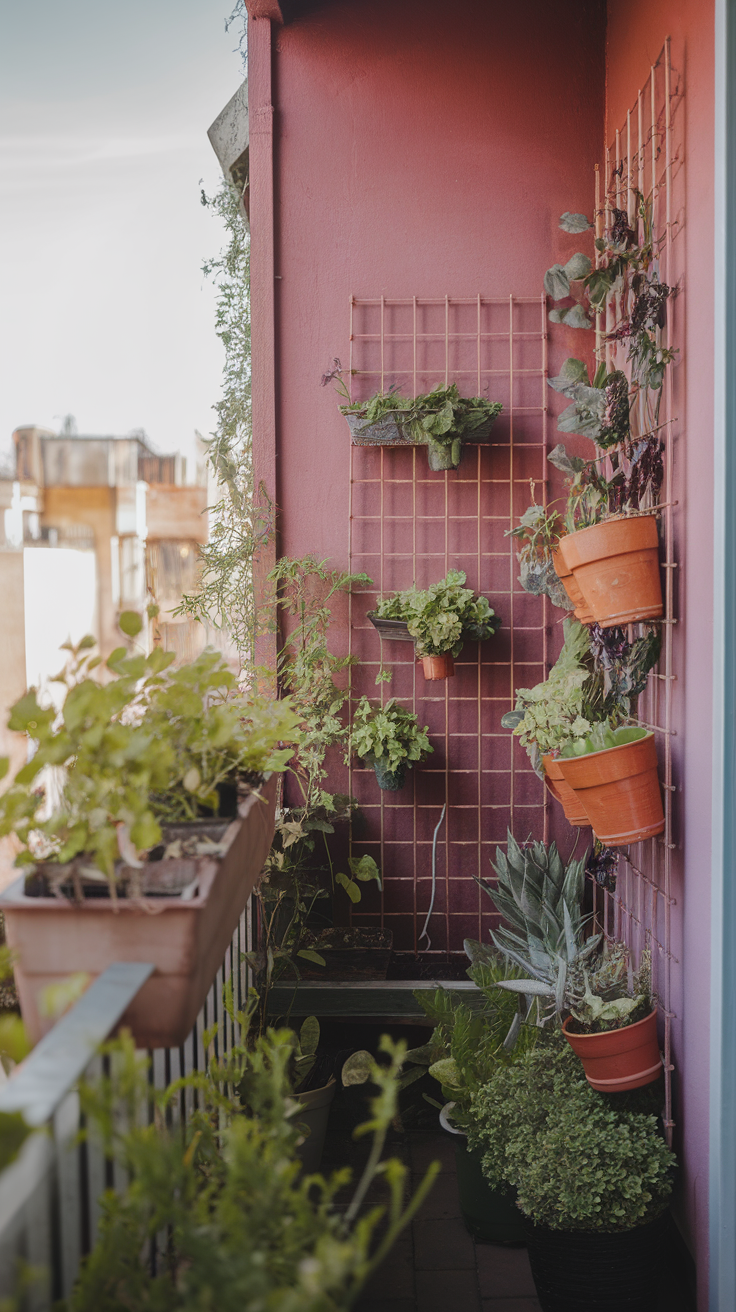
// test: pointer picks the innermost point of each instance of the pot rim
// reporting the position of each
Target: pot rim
(606, 751)
(613, 519)
(604, 1034)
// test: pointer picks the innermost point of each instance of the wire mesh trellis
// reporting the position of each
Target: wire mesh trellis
(645, 160)
(406, 525)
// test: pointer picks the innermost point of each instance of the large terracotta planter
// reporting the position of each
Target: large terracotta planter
(582, 611)
(619, 791)
(616, 565)
(438, 667)
(619, 1060)
(185, 939)
(563, 793)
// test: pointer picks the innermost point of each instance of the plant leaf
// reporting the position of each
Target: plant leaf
(557, 283)
(574, 222)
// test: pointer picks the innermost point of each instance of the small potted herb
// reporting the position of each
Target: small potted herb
(388, 738)
(612, 1026)
(440, 619)
(117, 816)
(593, 1175)
(613, 771)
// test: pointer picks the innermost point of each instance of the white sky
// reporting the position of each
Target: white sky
(104, 312)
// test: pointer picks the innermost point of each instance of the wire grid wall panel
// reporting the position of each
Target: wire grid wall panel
(410, 525)
(645, 157)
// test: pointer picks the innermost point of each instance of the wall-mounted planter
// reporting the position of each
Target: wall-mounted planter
(391, 630)
(581, 610)
(619, 791)
(438, 667)
(590, 1271)
(389, 781)
(563, 793)
(616, 565)
(388, 431)
(185, 937)
(619, 1060)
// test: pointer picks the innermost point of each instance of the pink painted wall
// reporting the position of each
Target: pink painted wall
(636, 32)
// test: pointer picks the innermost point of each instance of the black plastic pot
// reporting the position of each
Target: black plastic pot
(588, 1271)
(389, 780)
(490, 1215)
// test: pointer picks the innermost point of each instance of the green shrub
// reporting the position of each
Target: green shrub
(580, 1160)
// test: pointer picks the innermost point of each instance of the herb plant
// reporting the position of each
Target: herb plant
(388, 737)
(579, 1160)
(244, 1227)
(440, 618)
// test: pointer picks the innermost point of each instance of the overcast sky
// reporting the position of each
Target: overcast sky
(104, 312)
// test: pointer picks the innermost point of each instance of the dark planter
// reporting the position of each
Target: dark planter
(387, 432)
(313, 1115)
(490, 1215)
(389, 780)
(348, 954)
(588, 1271)
(395, 630)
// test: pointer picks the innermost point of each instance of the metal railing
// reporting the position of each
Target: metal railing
(50, 1195)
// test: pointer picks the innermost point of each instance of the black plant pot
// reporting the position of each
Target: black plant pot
(588, 1271)
(389, 780)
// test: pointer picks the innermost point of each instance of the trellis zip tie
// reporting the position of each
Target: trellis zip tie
(424, 933)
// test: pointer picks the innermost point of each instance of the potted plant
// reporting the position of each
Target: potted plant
(467, 1043)
(614, 773)
(616, 566)
(388, 738)
(561, 709)
(609, 1014)
(441, 420)
(104, 815)
(440, 619)
(594, 1177)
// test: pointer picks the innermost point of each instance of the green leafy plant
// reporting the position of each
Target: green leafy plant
(440, 420)
(121, 756)
(538, 532)
(565, 706)
(607, 994)
(579, 1160)
(244, 1226)
(389, 734)
(440, 618)
(602, 737)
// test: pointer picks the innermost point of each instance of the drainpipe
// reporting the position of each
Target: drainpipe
(262, 294)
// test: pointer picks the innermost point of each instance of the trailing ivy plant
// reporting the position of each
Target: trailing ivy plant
(241, 521)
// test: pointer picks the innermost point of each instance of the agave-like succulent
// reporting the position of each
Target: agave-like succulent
(542, 900)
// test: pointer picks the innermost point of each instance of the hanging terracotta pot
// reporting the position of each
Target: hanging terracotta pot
(619, 1060)
(572, 588)
(438, 667)
(563, 793)
(619, 791)
(616, 565)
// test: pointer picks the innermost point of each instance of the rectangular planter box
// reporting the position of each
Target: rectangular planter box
(354, 961)
(394, 630)
(387, 432)
(186, 940)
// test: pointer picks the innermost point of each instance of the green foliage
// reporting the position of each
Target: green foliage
(602, 737)
(538, 532)
(564, 708)
(440, 419)
(579, 1160)
(245, 1228)
(241, 521)
(542, 900)
(149, 744)
(606, 994)
(440, 618)
(389, 733)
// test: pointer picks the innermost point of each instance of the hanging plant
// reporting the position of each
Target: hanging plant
(388, 738)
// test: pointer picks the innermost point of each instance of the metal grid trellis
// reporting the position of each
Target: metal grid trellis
(645, 157)
(407, 524)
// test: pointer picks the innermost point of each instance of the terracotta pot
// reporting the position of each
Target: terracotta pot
(186, 940)
(619, 790)
(563, 793)
(572, 588)
(616, 565)
(438, 667)
(619, 1060)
